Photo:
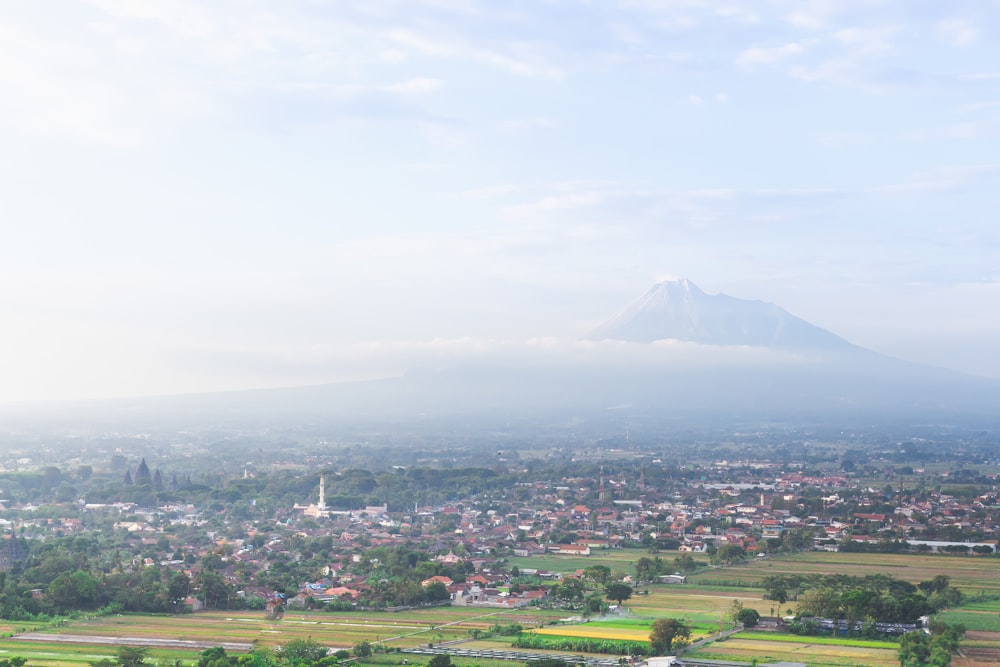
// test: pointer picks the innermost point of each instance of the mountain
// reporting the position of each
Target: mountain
(679, 310)
(739, 362)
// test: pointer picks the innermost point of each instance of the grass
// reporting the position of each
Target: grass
(340, 630)
(701, 603)
(814, 653)
(971, 574)
(830, 641)
(972, 620)
(47, 654)
(588, 632)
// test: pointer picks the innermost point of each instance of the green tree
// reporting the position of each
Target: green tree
(362, 649)
(303, 651)
(728, 554)
(132, 656)
(644, 569)
(664, 633)
(177, 590)
(440, 660)
(618, 591)
(748, 617)
(215, 657)
(598, 573)
(76, 590)
(436, 591)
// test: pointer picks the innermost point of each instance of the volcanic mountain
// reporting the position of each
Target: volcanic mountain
(679, 310)
(737, 362)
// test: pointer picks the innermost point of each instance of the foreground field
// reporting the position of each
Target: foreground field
(703, 602)
(813, 653)
(403, 629)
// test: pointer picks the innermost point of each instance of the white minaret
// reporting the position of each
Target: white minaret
(322, 494)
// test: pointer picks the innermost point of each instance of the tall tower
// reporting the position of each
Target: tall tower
(322, 494)
(602, 495)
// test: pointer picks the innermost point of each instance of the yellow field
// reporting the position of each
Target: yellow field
(638, 635)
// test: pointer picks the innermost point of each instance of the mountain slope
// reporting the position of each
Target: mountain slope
(679, 310)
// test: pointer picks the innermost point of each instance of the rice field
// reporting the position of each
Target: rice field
(594, 632)
(972, 575)
(403, 629)
(810, 652)
(701, 604)
(45, 654)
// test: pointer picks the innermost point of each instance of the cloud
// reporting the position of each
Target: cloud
(957, 32)
(261, 366)
(762, 56)
(418, 85)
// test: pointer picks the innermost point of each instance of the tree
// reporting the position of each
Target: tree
(132, 656)
(77, 590)
(618, 591)
(214, 657)
(643, 569)
(598, 573)
(734, 610)
(728, 554)
(436, 591)
(664, 633)
(748, 617)
(362, 649)
(299, 651)
(918, 649)
(440, 660)
(177, 590)
(778, 594)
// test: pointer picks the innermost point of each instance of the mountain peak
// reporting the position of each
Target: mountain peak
(678, 309)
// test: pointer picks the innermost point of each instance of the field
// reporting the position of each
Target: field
(703, 603)
(971, 574)
(814, 653)
(77, 655)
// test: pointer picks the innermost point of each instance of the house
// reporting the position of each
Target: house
(571, 549)
(437, 578)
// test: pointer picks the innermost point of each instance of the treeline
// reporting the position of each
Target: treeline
(581, 644)
(878, 598)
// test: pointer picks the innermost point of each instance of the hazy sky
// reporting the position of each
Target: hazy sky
(206, 195)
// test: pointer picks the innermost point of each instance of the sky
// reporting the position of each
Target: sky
(198, 196)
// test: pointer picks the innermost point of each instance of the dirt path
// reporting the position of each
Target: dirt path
(151, 642)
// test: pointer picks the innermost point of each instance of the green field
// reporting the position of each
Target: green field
(704, 605)
(829, 641)
(622, 560)
(813, 653)
(47, 654)
(971, 574)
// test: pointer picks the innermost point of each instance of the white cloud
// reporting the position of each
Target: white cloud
(418, 85)
(957, 32)
(760, 55)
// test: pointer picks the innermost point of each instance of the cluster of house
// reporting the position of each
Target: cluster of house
(572, 517)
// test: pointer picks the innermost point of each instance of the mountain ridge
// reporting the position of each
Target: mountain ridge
(680, 310)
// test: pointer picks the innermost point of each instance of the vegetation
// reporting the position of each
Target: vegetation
(668, 634)
(919, 649)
